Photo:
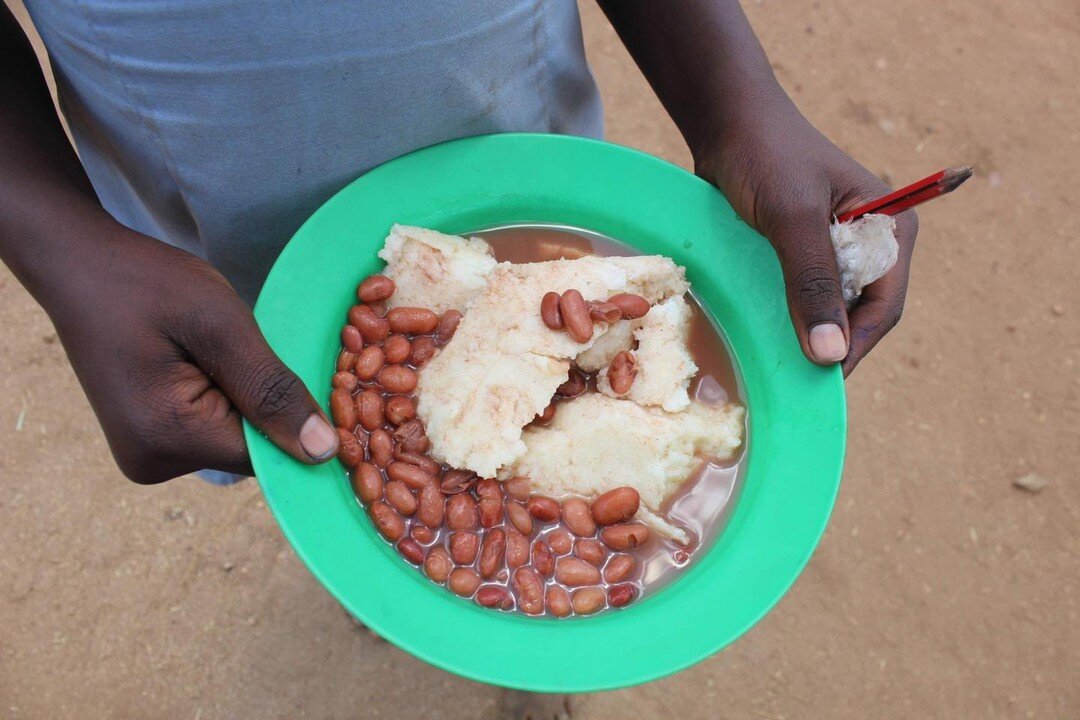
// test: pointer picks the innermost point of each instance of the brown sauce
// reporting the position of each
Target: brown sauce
(703, 504)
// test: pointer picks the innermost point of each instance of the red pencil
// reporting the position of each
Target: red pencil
(917, 193)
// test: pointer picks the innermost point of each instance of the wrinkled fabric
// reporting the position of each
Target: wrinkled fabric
(219, 127)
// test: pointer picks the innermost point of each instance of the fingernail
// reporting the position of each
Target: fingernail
(827, 343)
(317, 438)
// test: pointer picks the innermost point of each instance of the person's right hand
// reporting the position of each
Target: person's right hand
(171, 358)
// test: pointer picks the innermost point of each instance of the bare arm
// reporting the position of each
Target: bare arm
(44, 192)
(702, 59)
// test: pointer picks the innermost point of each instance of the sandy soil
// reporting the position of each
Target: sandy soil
(940, 590)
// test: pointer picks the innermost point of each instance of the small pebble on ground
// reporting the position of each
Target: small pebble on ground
(1031, 482)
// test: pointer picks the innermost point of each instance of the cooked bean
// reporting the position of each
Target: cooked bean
(350, 452)
(494, 596)
(543, 558)
(560, 542)
(398, 378)
(576, 515)
(519, 517)
(423, 349)
(411, 550)
(375, 288)
(575, 572)
(351, 339)
(437, 565)
(447, 326)
(591, 551)
(343, 409)
(369, 362)
(369, 409)
(464, 546)
(379, 308)
(381, 448)
(344, 380)
(624, 537)
(622, 371)
(619, 568)
(412, 320)
(575, 316)
(431, 505)
(620, 595)
(489, 488)
(371, 326)
(457, 481)
(543, 508)
(463, 581)
(345, 361)
(387, 521)
(574, 386)
(517, 548)
(558, 601)
(632, 306)
(546, 415)
(397, 349)
(601, 311)
(462, 513)
(518, 488)
(492, 551)
(421, 461)
(367, 482)
(399, 408)
(400, 497)
(355, 312)
(410, 475)
(422, 533)
(491, 507)
(588, 600)
(549, 311)
(530, 590)
(412, 437)
(616, 506)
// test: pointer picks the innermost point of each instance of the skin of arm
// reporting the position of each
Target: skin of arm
(779, 173)
(169, 355)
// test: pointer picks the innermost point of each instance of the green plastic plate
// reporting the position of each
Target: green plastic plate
(797, 419)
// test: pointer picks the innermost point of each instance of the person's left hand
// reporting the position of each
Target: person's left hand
(787, 180)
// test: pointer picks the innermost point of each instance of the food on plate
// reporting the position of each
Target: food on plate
(504, 366)
(435, 271)
(537, 436)
(598, 443)
(663, 366)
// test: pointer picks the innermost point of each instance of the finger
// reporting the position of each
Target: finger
(812, 280)
(236, 356)
(194, 428)
(228, 451)
(213, 428)
(877, 312)
(882, 302)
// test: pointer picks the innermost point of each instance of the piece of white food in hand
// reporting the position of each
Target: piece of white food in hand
(866, 249)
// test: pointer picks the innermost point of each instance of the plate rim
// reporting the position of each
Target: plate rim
(262, 451)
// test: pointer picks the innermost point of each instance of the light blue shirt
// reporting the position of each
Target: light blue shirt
(220, 126)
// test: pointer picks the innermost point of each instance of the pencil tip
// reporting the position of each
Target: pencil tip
(955, 177)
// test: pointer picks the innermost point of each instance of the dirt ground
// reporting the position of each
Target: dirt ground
(939, 591)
